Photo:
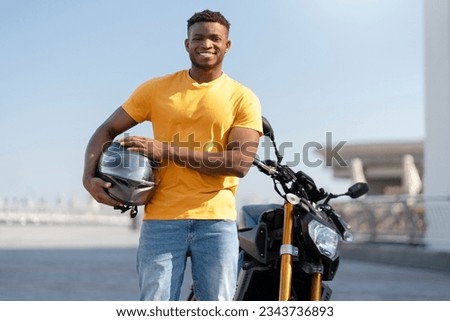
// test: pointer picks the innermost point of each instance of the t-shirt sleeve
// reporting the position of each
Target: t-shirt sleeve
(249, 112)
(139, 105)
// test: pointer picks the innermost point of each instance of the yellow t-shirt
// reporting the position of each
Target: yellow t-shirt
(199, 116)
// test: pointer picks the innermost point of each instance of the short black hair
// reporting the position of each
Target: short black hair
(208, 16)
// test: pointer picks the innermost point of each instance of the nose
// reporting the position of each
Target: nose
(206, 43)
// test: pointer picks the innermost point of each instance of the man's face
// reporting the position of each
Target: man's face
(207, 44)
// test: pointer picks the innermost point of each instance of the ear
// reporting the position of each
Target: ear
(186, 44)
(228, 46)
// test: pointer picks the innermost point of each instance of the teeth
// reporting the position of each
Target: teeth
(205, 54)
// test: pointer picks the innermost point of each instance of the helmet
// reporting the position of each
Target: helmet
(133, 176)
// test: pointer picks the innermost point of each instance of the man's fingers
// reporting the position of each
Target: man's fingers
(132, 138)
(99, 193)
(134, 141)
(98, 181)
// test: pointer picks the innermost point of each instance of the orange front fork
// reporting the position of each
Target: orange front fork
(316, 286)
(286, 258)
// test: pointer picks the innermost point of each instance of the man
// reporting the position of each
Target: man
(206, 130)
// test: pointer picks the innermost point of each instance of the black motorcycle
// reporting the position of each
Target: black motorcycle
(288, 250)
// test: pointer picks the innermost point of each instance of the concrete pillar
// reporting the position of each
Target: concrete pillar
(437, 123)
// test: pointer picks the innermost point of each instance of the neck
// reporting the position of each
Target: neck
(202, 76)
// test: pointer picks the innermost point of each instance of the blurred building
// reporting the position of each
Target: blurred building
(394, 209)
(388, 168)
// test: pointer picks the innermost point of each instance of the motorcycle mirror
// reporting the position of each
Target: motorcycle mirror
(357, 190)
(267, 129)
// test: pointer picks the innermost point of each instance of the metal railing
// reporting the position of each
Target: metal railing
(395, 219)
(398, 219)
(86, 214)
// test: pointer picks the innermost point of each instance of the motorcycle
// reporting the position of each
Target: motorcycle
(287, 251)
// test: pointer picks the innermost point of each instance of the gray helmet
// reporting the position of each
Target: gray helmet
(133, 176)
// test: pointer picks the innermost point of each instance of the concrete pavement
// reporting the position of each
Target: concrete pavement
(97, 263)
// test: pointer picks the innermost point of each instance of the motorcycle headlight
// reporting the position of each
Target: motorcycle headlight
(325, 239)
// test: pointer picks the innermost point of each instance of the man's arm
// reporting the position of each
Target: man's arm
(236, 160)
(116, 124)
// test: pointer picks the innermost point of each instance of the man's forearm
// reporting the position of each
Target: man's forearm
(233, 162)
(101, 139)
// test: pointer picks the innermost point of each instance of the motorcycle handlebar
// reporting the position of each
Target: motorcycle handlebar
(266, 169)
(285, 175)
(282, 174)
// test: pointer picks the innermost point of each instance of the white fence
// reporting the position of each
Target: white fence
(398, 219)
(87, 214)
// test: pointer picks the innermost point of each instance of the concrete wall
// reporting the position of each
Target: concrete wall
(437, 103)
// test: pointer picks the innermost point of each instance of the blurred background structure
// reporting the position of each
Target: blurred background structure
(409, 198)
(437, 102)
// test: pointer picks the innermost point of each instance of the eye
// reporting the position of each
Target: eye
(197, 37)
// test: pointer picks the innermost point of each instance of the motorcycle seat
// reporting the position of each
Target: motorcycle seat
(249, 215)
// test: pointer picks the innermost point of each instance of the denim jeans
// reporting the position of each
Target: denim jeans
(164, 247)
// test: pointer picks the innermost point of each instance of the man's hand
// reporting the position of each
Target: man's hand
(148, 147)
(96, 187)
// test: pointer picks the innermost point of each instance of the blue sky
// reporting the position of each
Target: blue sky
(350, 67)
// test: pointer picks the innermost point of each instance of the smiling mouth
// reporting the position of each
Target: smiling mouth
(206, 54)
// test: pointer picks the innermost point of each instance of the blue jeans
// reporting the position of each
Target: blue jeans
(164, 247)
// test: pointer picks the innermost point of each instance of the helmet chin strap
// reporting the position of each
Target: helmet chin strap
(133, 209)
